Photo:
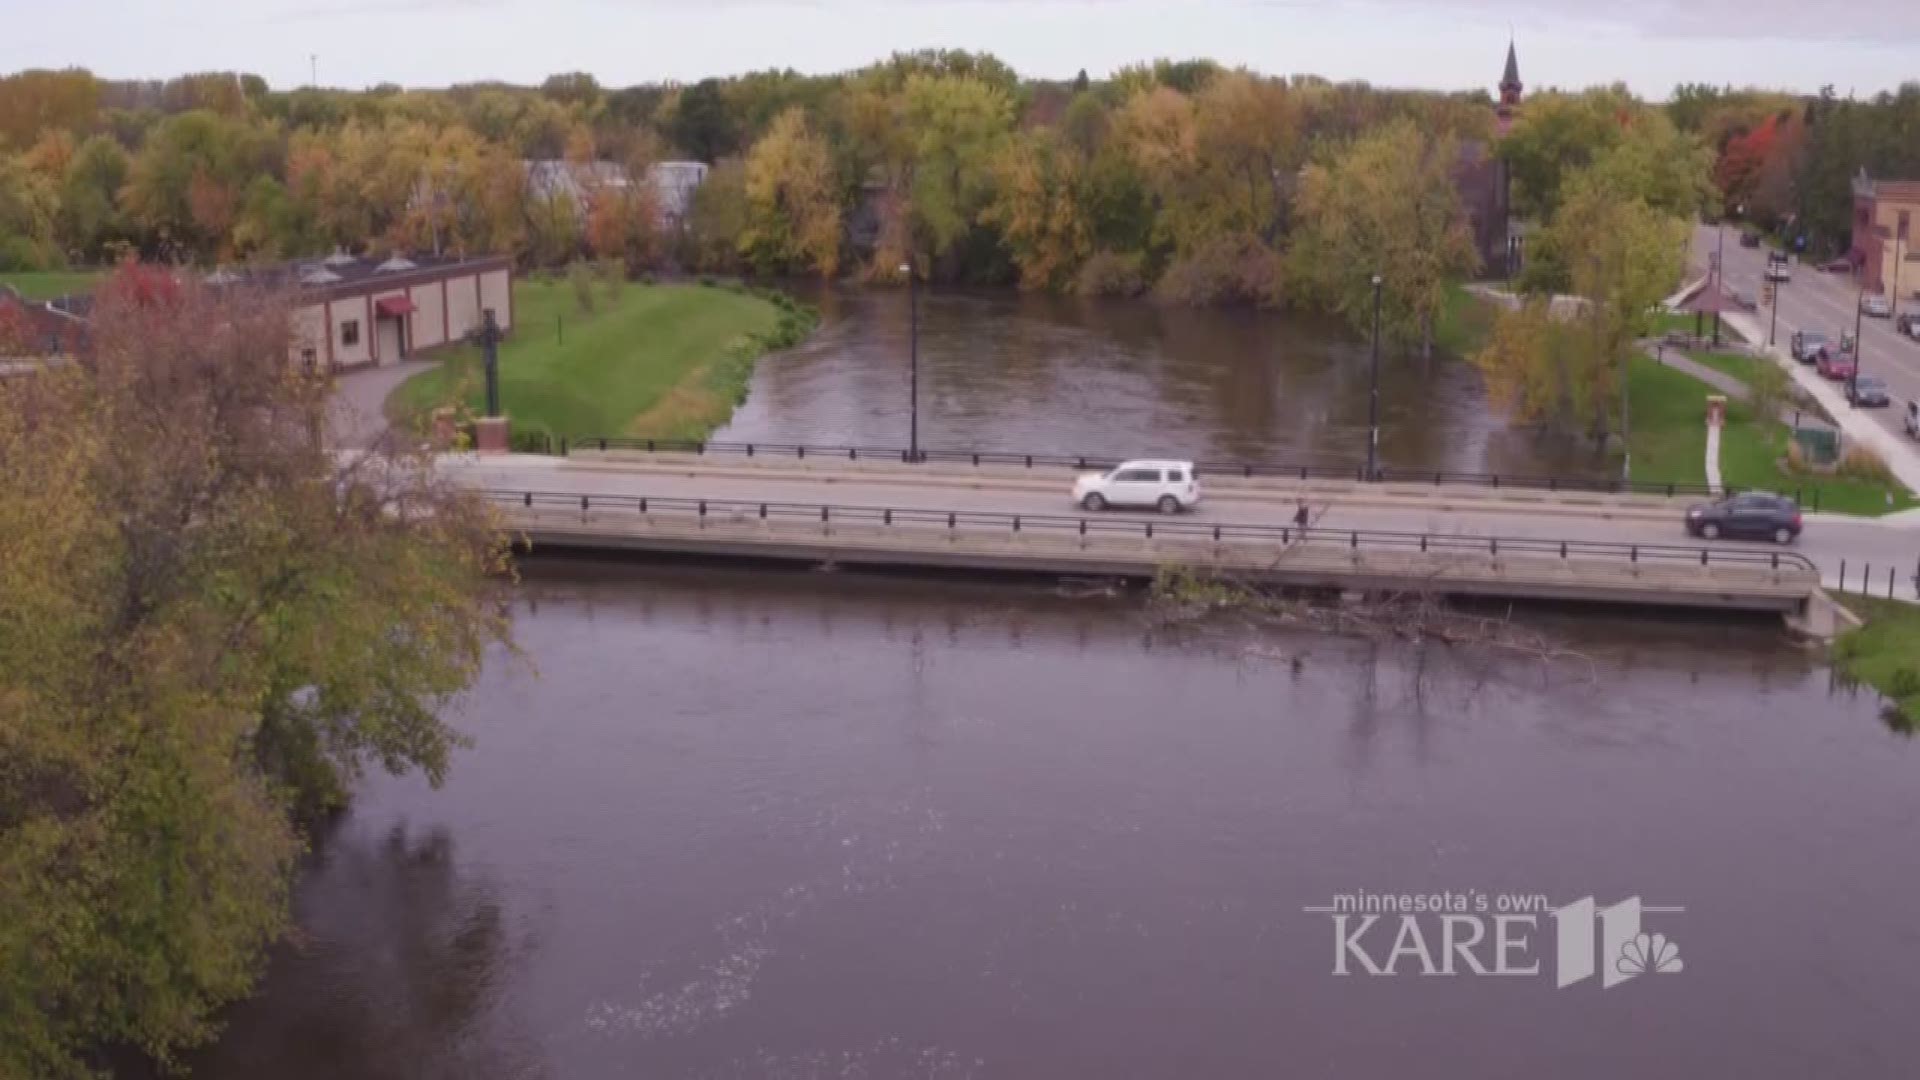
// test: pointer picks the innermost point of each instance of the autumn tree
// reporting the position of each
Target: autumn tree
(184, 188)
(90, 214)
(1385, 205)
(959, 125)
(622, 226)
(209, 624)
(793, 201)
(1037, 206)
(27, 211)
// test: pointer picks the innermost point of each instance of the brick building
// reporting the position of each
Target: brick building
(1885, 217)
(1486, 187)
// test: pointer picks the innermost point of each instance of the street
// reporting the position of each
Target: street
(1817, 300)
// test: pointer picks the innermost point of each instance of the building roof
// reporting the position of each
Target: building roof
(1511, 77)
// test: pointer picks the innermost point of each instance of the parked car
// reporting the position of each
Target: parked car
(1756, 515)
(1809, 345)
(1838, 266)
(1908, 323)
(1749, 239)
(1169, 486)
(1913, 420)
(1868, 392)
(1876, 306)
(1743, 300)
(1833, 365)
(1777, 270)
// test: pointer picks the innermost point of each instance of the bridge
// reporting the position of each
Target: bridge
(1550, 539)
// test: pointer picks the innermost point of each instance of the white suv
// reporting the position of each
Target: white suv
(1168, 486)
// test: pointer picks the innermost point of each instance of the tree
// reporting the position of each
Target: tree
(718, 217)
(27, 208)
(793, 208)
(621, 226)
(1558, 134)
(959, 125)
(90, 215)
(1386, 205)
(1038, 208)
(208, 626)
(701, 124)
(186, 184)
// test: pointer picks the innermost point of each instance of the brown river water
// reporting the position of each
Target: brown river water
(1039, 374)
(725, 823)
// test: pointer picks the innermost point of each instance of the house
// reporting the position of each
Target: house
(673, 184)
(1884, 213)
(32, 330)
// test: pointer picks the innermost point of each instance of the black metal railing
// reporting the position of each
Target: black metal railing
(1148, 528)
(1870, 581)
(1284, 470)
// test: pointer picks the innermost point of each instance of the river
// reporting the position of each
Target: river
(731, 824)
(1007, 371)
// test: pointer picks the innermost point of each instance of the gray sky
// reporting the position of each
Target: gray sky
(1450, 44)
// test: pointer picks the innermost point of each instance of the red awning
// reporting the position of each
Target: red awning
(394, 305)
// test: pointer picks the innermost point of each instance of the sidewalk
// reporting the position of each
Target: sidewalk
(1899, 454)
(1730, 386)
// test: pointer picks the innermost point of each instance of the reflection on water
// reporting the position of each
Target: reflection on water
(1009, 371)
(809, 825)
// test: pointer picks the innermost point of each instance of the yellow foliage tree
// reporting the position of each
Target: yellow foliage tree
(793, 207)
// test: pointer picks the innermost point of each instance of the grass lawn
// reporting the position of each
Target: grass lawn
(1465, 323)
(1669, 441)
(1738, 365)
(1662, 323)
(47, 285)
(668, 361)
(1885, 654)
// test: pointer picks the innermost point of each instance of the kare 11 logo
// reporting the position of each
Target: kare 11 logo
(1476, 933)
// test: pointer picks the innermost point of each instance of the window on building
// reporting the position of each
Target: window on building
(309, 359)
(350, 332)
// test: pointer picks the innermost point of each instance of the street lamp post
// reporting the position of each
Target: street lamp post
(1859, 351)
(913, 390)
(1373, 394)
(1773, 319)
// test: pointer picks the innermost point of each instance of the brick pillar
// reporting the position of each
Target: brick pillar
(490, 434)
(1716, 409)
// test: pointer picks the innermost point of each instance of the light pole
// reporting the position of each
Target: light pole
(1719, 267)
(913, 337)
(1773, 319)
(1853, 380)
(1373, 394)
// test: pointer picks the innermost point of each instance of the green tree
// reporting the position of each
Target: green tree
(90, 215)
(184, 188)
(1558, 134)
(1385, 204)
(1038, 206)
(28, 206)
(208, 626)
(793, 208)
(959, 125)
(701, 124)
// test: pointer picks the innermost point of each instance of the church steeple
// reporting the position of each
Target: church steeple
(1509, 90)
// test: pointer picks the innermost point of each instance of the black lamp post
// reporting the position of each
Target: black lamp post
(1859, 351)
(913, 338)
(1773, 318)
(490, 349)
(1373, 394)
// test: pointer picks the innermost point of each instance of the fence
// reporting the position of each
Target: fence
(1246, 469)
(1871, 582)
(1148, 529)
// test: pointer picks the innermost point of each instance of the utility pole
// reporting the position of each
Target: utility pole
(1859, 350)
(1719, 263)
(313, 60)
(1373, 395)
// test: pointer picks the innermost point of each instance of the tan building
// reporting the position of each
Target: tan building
(354, 312)
(1886, 223)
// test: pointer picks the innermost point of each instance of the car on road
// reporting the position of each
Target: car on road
(1167, 486)
(1838, 266)
(1809, 345)
(1743, 299)
(1913, 420)
(1749, 239)
(1908, 323)
(1868, 392)
(1835, 365)
(1756, 515)
(1876, 306)
(1777, 270)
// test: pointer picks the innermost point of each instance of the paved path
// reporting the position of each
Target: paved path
(1831, 541)
(356, 414)
(1816, 300)
(1732, 387)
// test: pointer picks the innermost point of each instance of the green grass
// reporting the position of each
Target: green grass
(666, 362)
(1885, 654)
(1465, 323)
(1669, 442)
(46, 285)
(1738, 365)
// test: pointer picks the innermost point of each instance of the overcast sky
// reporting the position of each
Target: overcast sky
(1861, 46)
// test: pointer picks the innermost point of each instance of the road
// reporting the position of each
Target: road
(1817, 300)
(1830, 542)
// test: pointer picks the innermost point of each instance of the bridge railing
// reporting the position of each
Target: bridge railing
(1147, 528)
(1283, 470)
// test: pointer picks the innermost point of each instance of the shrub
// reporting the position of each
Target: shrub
(1237, 269)
(707, 281)
(1861, 463)
(648, 279)
(1110, 273)
(531, 439)
(582, 281)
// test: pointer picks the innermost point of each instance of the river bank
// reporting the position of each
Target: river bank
(654, 361)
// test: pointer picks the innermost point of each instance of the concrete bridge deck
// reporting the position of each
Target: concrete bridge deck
(1378, 561)
(1885, 553)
